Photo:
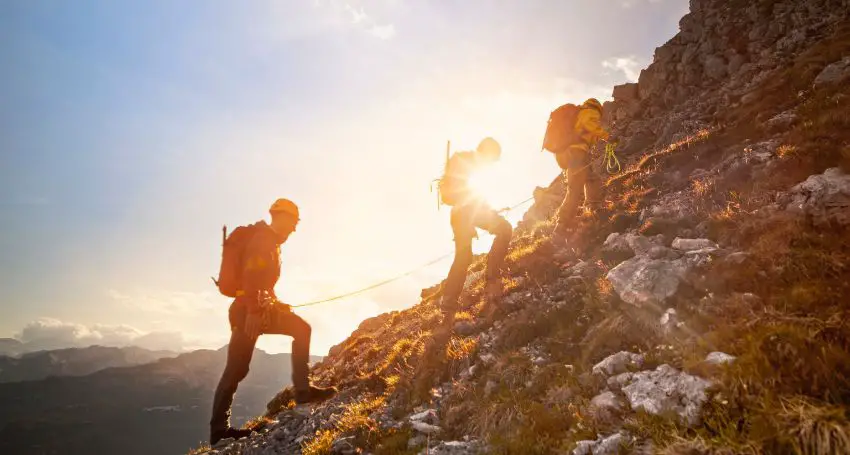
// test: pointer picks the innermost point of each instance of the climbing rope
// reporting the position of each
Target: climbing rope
(612, 164)
(402, 275)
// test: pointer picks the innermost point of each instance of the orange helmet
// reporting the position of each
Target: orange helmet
(489, 147)
(284, 206)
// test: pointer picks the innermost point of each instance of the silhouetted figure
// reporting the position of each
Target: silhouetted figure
(250, 269)
(471, 212)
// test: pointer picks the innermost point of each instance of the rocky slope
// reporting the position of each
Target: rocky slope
(703, 313)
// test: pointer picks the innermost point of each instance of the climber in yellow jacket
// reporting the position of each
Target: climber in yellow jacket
(576, 160)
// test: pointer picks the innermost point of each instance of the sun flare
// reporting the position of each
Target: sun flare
(487, 184)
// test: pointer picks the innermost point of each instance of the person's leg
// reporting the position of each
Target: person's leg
(463, 234)
(282, 321)
(239, 353)
(576, 179)
(593, 191)
(490, 220)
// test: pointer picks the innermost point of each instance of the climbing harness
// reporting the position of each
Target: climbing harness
(403, 275)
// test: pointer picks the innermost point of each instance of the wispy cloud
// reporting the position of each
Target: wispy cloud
(629, 66)
(631, 3)
(166, 302)
(50, 333)
(358, 16)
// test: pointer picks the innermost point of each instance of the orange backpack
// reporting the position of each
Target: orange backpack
(560, 130)
(229, 280)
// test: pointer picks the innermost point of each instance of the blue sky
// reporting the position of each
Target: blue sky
(131, 131)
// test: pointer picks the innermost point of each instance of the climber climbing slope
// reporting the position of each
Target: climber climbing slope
(572, 135)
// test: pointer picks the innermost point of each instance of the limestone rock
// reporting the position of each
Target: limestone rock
(618, 363)
(642, 280)
(667, 390)
(825, 198)
(626, 93)
(605, 407)
(693, 244)
(834, 74)
(719, 358)
(604, 445)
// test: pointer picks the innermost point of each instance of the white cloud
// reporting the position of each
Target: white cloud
(166, 302)
(629, 66)
(357, 15)
(382, 31)
(631, 3)
(50, 333)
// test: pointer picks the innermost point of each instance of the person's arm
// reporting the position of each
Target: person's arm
(256, 272)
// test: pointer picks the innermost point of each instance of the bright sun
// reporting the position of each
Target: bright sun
(487, 184)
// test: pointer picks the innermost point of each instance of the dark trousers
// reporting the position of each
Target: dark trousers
(581, 181)
(465, 220)
(280, 321)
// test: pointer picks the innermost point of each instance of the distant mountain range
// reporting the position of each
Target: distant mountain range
(74, 362)
(11, 347)
(156, 408)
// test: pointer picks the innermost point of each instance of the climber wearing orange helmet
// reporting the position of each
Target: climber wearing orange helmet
(575, 159)
(470, 212)
(256, 310)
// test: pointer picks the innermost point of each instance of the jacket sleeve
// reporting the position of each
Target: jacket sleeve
(591, 122)
(257, 271)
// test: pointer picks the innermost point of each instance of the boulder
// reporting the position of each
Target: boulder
(667, 391)
(834, 74)
(626, 93)
(825, 198)
(642, 280)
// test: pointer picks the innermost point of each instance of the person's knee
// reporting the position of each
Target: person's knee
(235, 374)
(302, 330)
(503, 229)
(464, 257)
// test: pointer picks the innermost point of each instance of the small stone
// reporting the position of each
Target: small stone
(618, 363)
(417, 441)
(693, 244)
(605, 407)
(719, 358)
(737, 258)
(425, 428)
(427, 416)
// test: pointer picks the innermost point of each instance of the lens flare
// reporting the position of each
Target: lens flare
(487, 184)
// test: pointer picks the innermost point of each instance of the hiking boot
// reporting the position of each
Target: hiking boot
(231, 432)
(314, 394)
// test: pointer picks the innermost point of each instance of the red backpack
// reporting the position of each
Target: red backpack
(230, 272)
(560, 130)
